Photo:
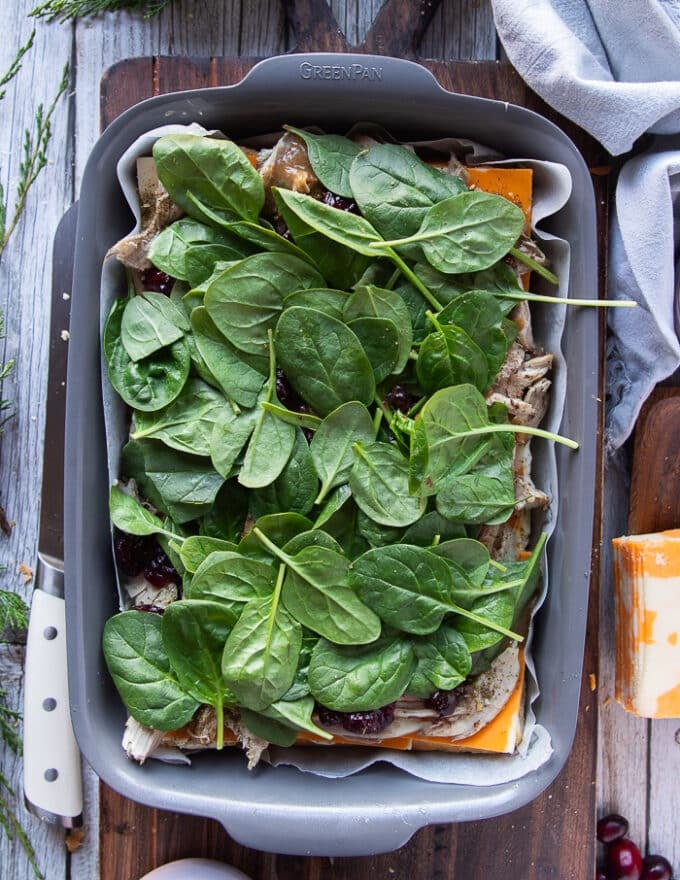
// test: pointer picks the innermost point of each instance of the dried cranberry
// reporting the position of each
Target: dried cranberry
(339, 202)
(280, 226)
(611, 828)
(133, 552)
(152, 609)
(624, 861)
(370, 722)
(159, 571)
(601, 876)
(328, 717)
(443, 702)
(656, 868)
(160, 282)
(399, 397)
(289, 398)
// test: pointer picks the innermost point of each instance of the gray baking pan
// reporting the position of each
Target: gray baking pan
(281, 809)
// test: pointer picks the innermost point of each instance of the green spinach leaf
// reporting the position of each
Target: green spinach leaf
(149, 384)
(196, 548)
(357, 679)
(379, 337)
(444, 662)
(379, 484)
(261, 654)
(317, 593)
(240, 375)
(139, 665)
(294, 489)
(231, 576)
(323, 360)
(325, 299)
(187, 423)
(271, 441)
(330, 156)
(245, 300)
(216, 171)
(375, 302)
(466, 232)
(151, 321)
(130, 516)
(449, 357)
(205, 626)
(169, 251)
(331, 446)
(186, 484)
(394, 188)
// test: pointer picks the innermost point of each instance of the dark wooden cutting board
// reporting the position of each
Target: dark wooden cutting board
(654, 496)
(554, 836)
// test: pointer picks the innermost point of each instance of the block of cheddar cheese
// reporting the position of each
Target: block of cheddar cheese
(647, 602)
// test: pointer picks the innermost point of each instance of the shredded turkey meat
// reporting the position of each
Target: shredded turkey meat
(157, 212)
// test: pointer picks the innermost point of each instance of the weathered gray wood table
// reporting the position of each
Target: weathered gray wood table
(639, 762)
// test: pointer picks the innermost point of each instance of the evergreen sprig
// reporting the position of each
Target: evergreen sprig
(69, 9)
(34, 157)
(13, 828)
(13, 612)
(15, 66)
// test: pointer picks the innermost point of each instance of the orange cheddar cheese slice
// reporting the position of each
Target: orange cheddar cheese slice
(514, 184)
(647, 604)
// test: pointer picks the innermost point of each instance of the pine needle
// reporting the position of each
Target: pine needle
(12, 826)
(69, 9)
(5, 407)
(13, 612)
(33, 161)
(15, 66)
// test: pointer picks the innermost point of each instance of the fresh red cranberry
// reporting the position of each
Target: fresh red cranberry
(656, 868)
(152, 609)
(159, 571)
(133, 552)
(611, 828)
(624, 861)
(160, 282)
(442, 702)
(339, 202)
(399, 397)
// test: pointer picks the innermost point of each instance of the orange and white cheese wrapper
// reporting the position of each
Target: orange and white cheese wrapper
(647, 601)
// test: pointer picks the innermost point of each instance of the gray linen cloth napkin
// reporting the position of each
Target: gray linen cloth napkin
(613, 67)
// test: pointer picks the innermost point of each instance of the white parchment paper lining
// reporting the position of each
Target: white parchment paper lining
(552, 188)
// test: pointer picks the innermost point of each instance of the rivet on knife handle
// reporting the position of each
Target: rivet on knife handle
(52, 776)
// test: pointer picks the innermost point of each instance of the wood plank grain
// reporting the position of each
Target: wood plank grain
(461, 30)
(655, 481)
(24, 299)
(655, 506)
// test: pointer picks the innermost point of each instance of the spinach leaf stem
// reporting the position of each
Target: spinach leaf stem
(517, 429)
(534, 266)
(564, 301)
(413, 278)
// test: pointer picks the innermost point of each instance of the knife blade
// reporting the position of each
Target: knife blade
(52, 773)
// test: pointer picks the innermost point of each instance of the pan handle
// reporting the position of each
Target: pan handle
(339, 72)
(328, 834)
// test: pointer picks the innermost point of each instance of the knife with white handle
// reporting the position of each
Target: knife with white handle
(52, 772)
